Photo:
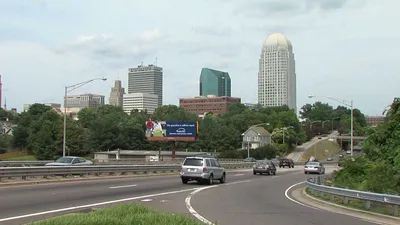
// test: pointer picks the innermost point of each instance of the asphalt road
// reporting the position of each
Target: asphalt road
(256, 200)
(21, 202)
(244, 199)
(300, 150)
(263, 201)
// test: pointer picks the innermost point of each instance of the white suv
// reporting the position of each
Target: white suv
(202, 168)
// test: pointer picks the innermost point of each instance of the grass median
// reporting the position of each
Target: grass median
(121, 214)
(376, 207)
(322, 150)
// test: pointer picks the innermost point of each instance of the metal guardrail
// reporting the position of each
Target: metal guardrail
(316, 185)
(136, 162)
(24, 163)
(44, 171)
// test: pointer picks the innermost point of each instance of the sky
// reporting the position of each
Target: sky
(345, 49)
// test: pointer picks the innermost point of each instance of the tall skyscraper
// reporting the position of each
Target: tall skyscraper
(214, 82)
(146, 79)
(117, 94)
(277, 76)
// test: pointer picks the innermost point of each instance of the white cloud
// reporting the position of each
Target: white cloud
(109, 48)
(342, 48)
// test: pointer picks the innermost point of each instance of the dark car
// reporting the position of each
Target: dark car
(286, 162)
(264, 167)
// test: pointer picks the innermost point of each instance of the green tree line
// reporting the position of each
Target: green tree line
(40, 130)
(378, 169)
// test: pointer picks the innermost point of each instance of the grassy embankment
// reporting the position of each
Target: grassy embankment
(318, 150)
(356, 203)
(121, 215)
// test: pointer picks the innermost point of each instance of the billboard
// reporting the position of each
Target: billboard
(171, 131)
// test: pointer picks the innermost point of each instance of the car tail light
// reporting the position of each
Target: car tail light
(204, 170)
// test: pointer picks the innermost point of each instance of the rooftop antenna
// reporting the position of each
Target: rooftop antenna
(156, 62)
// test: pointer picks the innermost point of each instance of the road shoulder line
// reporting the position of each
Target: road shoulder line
(301, 195)
(193, 193)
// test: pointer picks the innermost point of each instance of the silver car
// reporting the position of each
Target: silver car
(314, 167)
(70, 161)
(202, 168)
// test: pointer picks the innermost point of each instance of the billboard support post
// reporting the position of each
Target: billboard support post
(174, 150)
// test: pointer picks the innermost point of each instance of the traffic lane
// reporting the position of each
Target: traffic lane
(176, 202)
(25, 200)
(67, 185)
(55, 202)
(263, 201)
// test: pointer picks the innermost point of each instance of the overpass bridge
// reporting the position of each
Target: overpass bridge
(348, 137)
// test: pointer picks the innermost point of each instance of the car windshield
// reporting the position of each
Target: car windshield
(193, 162)
(312, 164)
(64, 160)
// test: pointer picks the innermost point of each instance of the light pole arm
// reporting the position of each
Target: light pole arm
(344, 102)
(78, 85)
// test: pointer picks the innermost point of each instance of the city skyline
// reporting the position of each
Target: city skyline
(48, 47)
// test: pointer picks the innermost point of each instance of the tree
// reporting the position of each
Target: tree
(317, 111)
(21, 132)
(265, 152)
(173, 113)
(45, 136)
(379, 169)
(5, 143)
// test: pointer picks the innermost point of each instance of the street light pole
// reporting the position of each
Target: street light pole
(72, 87)
(65, 120)
(348, 103)
(351, 128)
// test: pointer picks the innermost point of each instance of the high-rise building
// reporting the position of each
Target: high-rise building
(146, 79)
(277, 76)
(117, 94)
(214, 82)
(141, 102)
(84, 101)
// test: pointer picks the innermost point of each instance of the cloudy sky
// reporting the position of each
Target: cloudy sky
(346, 49)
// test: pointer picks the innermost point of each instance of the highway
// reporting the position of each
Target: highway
(245, 198)
(300, 150)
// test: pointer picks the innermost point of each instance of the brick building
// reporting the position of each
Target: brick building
(210, 103)
(375, 120)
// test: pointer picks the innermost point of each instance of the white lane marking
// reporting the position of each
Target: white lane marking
(239, 174)
(125, 186)
(147, 200)
(295, 201)
(194, 212)
(96, 204)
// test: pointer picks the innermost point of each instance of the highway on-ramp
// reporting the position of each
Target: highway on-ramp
(244, 199)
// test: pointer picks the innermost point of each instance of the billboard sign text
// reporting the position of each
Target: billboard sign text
(181, 129)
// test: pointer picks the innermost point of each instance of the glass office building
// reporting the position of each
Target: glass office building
(214, 82)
